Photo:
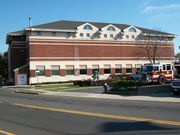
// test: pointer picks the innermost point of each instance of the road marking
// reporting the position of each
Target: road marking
(5, 133)
(119, 117)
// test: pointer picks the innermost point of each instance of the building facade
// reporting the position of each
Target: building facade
(74, 50)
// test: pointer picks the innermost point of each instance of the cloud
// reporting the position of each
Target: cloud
(161, 12)
(163, 16)
(162, 8)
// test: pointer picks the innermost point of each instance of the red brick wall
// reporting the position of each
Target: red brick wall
(47, 72)
(62, 72)
(76, 72)
(32, 73)
(101, 71)
(16, 77)
(94, 49)
(18, 58)
(89, 71)
(112, 71)
(123, 70)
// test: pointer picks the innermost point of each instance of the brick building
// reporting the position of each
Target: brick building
(73, 50)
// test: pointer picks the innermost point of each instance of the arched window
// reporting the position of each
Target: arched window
(87, 27)
(111, 28)
(132, 29)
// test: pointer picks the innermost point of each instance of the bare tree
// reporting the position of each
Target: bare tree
(151, 43)
(177, 56)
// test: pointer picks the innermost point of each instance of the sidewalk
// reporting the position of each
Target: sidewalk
(158, 97)
(163, 97)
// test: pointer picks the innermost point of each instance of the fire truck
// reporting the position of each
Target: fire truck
(157, 72)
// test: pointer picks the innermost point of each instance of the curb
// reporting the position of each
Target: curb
(116, 97)
(35, 93)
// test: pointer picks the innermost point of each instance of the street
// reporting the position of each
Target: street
(26, 114)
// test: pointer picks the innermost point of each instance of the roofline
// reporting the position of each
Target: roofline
(164, 35)
(59, 30)
(67, 30)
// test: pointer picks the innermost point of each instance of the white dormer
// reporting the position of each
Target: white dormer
(110, 32)
(131, 33)
(86, 31)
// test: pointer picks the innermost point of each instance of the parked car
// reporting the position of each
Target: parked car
(175, 84)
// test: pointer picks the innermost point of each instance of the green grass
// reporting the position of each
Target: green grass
(28, 91)
(61, 87)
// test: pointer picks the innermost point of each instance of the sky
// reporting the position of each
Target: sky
(163, 15)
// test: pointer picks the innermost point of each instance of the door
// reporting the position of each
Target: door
(22, 79)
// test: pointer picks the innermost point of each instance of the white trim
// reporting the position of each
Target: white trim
(89, 63)
(60, 39)
(118, 44)
(66, 58)
(51, 30)
(160, 35)
(76, 64)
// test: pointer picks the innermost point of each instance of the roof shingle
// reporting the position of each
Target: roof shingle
(72, 25)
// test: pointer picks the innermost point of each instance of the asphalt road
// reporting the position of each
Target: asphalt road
(25, 114)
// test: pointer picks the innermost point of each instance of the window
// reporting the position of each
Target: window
(164, 67)
(127, 36)
(132, 36)
(38, 33)
(87, 27)
(69, 70)
(68, 34)
(107, 69)
(132, 29)
(83, 69)
(111, 28)
(40, 70)
(138, 66)
(128, 68)
(54, 34)
(87, 35)
(168, 66)
(118, 68)
(55, 70)
(111, 35)
(81, 35)
(105, 35)
(95, 68)
(156, 68)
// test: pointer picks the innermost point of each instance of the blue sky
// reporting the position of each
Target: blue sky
(161, 15)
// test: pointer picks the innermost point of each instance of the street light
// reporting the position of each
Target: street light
(37, 71)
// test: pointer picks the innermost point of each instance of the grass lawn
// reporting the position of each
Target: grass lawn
(62, 87)
(28, 91)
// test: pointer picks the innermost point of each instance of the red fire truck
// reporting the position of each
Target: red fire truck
(157, 72)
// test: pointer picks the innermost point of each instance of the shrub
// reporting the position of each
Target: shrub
(125, 85)
(92, 83)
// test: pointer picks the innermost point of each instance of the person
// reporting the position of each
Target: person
(105, 87)
(95, 75)
(174, 72)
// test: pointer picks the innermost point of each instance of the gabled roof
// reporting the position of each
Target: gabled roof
(16, 33)
(72, 25)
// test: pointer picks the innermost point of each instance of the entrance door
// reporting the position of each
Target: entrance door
(22, 79)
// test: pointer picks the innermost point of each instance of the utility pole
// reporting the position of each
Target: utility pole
(29, 22)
